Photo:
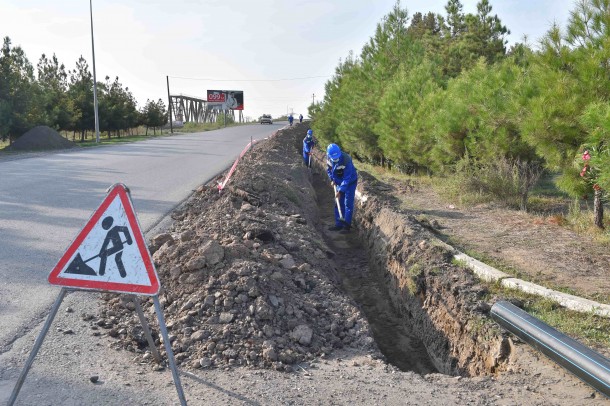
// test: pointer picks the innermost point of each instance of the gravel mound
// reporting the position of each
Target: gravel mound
(247, 280)
(40, 138)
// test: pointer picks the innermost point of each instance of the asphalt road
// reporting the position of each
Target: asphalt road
(45, 200)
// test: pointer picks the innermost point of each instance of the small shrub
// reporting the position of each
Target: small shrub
(581, 221)
(502, 180)
(191, 127)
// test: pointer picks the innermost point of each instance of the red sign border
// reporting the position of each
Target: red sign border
(138, 236)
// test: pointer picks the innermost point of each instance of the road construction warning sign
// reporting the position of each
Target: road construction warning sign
(109, 253)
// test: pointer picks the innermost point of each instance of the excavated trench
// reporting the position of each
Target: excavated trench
(366, 286)
(426, 313)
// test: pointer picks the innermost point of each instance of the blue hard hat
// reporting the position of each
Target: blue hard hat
(309, 132)
(334, 152)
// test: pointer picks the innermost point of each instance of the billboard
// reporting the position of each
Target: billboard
(229, 99)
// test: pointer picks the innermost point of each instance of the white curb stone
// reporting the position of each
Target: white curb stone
(491, 274)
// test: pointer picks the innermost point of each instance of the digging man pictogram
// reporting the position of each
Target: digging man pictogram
(117, 246)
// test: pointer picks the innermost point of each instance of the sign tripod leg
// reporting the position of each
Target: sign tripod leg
(168, 350)
(146, 328)
(37, 345)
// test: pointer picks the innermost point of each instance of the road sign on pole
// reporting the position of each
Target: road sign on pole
(110, 253)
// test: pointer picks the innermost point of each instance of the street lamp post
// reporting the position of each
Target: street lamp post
(95, 111)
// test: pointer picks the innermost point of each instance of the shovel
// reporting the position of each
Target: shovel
(337, 202)
(79, 266)
(310, 153)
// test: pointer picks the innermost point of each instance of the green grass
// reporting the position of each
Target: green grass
(495, 263)
(386, 175)
(590, 329)
(122, 140)
(452, 189)
(412, 273)
(104, 140)
(201, 127)
(513, 271)
(546, 187)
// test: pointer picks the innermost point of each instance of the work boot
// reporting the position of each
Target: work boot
(335, 228)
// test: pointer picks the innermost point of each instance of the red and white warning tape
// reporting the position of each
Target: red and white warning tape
(250, 144)
(224, 183)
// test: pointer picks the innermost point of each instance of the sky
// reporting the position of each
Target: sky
(280, 53)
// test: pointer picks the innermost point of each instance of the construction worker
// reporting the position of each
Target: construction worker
(344, 178)
(113, 245)
(300, 118)
(308, 144)
(290, 119)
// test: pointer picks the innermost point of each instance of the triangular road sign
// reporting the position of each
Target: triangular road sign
(109, 253)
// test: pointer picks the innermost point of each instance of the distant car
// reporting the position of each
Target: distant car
(266, 119)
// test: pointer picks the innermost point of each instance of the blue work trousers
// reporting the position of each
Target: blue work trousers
(305, 158)
(346, 200)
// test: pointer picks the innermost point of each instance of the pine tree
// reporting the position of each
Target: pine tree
(20, 109)
(81, 93)
(53, 82)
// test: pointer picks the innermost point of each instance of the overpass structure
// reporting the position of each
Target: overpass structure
(190, 109)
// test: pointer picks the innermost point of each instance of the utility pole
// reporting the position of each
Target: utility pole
(313, 98)
(95, 110)
(169, 110)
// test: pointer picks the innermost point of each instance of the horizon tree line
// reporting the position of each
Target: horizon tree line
(62, 99)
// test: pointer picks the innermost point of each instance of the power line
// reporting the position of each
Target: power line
(249, 80)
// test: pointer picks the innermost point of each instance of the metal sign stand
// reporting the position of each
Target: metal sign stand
(114, 192)
(37, 344)
(168, 349)
(155, 352)
(146, 328)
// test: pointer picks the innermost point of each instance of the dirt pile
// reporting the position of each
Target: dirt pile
(247, 279)
(40, 138)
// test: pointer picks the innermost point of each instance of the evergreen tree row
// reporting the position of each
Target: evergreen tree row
(63, 100)
(443, 94)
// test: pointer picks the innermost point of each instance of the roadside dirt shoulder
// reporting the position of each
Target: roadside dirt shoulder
(531, 247)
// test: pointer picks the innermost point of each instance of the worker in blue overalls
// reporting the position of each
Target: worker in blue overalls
(344, 178)
(308, 144)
